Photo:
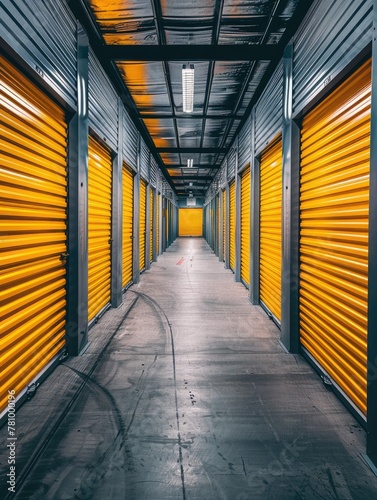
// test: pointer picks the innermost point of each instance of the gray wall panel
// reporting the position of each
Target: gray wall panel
(144, 161)
(43, 33)
(231, 159)
(130, 141)
(269, 111)
(103, 103)
(244, 150)
(332, 35)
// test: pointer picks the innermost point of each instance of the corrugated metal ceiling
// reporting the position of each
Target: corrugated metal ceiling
(233, 44)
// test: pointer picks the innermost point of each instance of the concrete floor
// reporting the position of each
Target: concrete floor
(185, 393)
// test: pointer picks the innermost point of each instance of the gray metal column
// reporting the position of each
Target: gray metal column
(290, 214)
(136, 221)
(254, 218)
(372, 268)
(148, 230)
(237, 272)
(116, 216)
(77, 244)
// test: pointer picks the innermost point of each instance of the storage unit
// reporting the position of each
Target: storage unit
(232, 226)
(151, 212)
(190, 221)
(158, 222)
(142, 223)
(334, 199)
(127, 225)
(245, 226)
(99, 227)
(224, 225)
(33, 205)
(270, 228)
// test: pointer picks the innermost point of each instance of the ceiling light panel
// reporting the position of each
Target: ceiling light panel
(188, 88)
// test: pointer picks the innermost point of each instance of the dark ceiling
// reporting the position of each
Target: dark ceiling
(234, 46)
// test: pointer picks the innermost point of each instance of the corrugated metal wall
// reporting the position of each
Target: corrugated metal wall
(144, 160)
(130, 141)
(231, 161)
(153, 171)
(244, 144)
(335, 32)
(44, 35)
(103, 103)
(269, 111)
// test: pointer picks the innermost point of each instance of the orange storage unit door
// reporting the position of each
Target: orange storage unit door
(245, 226)
(127, 225)
(190, 221)
(158, 231)
(99, 227)
(151, 212)
(224, 225)
(271, 178)
(232, 226)
(142, 223)
(33, 205)
(334, 203)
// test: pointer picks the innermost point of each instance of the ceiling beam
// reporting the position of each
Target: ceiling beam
(183, 53)
(191, 150)
(195, 167)
(192, 178)
(186, 116)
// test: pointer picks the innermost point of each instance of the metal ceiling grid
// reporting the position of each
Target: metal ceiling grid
(234, 46)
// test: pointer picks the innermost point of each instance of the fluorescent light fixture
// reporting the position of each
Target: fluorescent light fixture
(190, 162)
(190, 184)
(188, 88)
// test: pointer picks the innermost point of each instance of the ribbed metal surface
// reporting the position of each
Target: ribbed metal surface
(334, 33)
(244, 144)
(151, 213)
(269, 111)
(231, 164)
(334, 202)
(103, 103)
(130, 141)
(190, 221)
(44, 35)
(144, 161)
(245, 226)
(153, 171)
(232, 225)
(224, 225)
(127, 225)
(142, 223)
(33, 203)
(99, 227)
(270, 228)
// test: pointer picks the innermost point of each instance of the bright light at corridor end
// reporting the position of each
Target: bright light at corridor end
(188, 88)
(190, 162)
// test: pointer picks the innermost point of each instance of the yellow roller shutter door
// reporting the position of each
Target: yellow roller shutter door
(142, 223)
(99, 227)
(33, 203)
(151, 205)
(127, 225)
(158, 225)
(270, 228)
(232, 226)
(245, 226)
(224, 224)
(190, 221)
(334, 201)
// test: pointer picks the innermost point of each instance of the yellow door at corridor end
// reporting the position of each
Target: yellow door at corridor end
(334, 202)
(245, 226)
(232, 226)
(99, 227)
(142, 223)
(270, 245)
(127, 225)
(151, 211)
(190, 221)
(33, 206)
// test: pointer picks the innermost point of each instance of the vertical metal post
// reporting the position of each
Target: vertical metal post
(136, 221)
(290, 213)
(77, 244)
(237, 271)
(148, 230)
(372, 269)
(116, 212)
(254, 218)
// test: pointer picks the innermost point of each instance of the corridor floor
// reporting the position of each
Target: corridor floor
(185, 393)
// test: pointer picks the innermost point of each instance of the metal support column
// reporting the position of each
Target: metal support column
(116, 210)
(254, 218)
(372, 269)
(77, 244)
(291, 214)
